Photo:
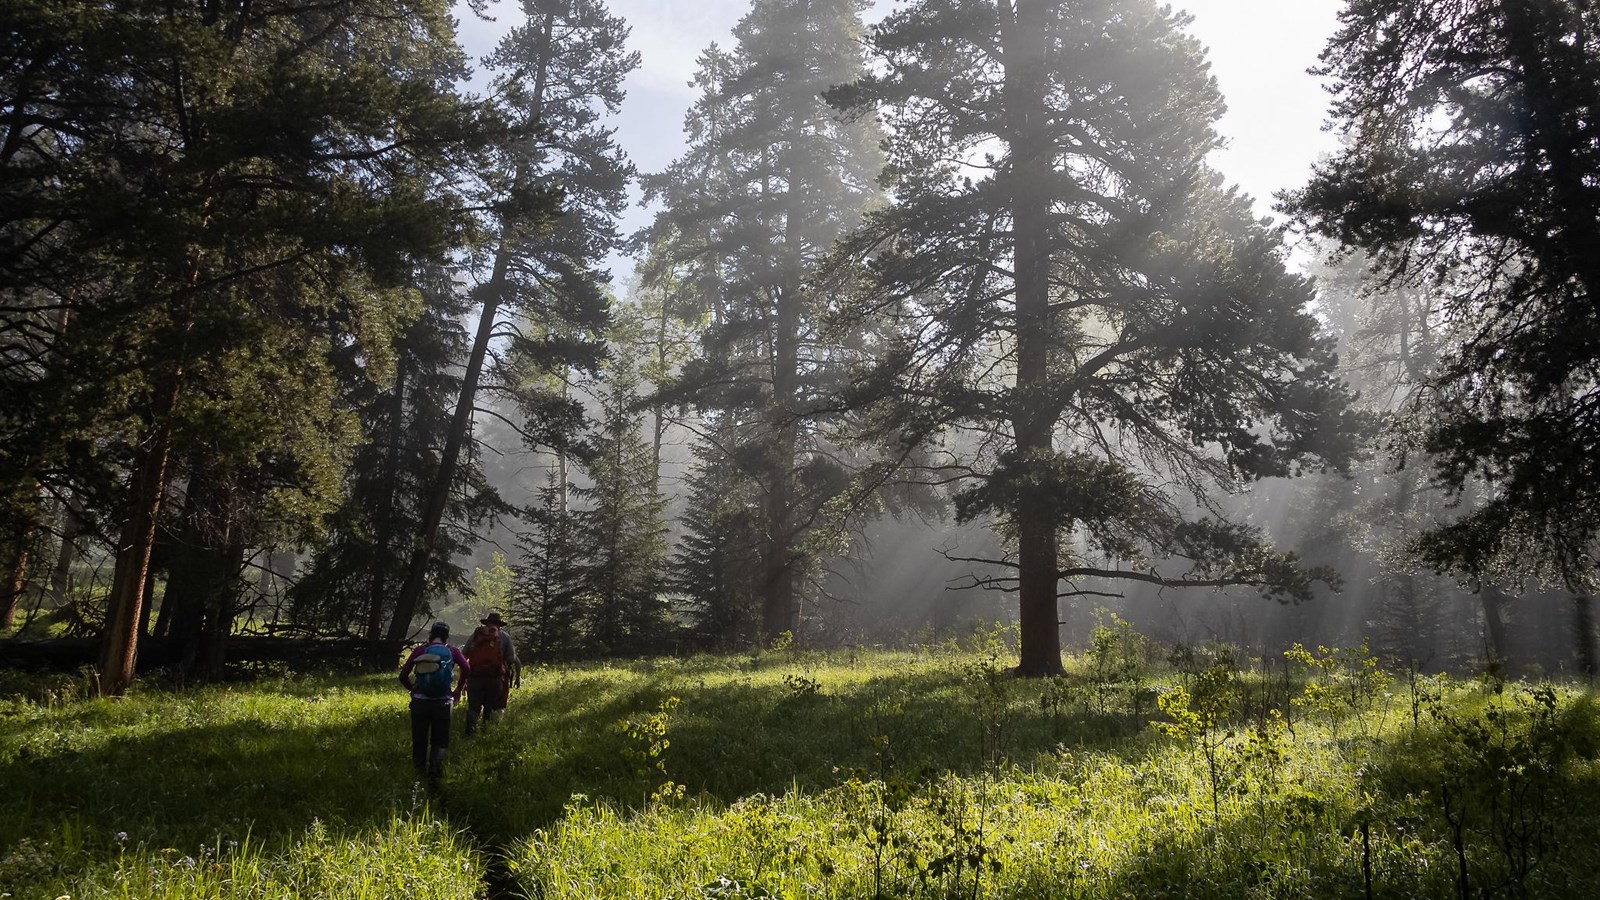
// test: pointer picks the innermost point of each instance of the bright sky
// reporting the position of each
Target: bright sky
(1259, 51)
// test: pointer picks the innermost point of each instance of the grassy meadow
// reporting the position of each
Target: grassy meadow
(870, 773)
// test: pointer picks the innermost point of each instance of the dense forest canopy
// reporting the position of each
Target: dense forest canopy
(308, 327)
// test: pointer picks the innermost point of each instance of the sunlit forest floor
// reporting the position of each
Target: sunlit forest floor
(868, 773)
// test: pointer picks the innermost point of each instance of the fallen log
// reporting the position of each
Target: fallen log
(243, 654)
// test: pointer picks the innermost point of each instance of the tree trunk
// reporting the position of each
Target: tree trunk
(193, 579)
(659, 410)
(1583, 630)
(181, 605)
(147, 602)
(385, 524)
(438, 497)
(207, 558)
(163, 627)
(16, 577)
(410, 599)
(145, 492)
(195, 591)
(1494, 601)
(780, 610)
(61, 574)
(563, 484)
(221, 605)
(1034, 423)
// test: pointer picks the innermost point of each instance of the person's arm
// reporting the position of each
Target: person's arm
(462, 666)
(405, 670)
(513, 663)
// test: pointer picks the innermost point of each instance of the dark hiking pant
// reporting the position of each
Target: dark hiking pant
(485, 695)
(430, 735)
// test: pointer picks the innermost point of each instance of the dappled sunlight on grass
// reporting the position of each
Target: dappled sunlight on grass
(407, 856)
(849, 774)
(933, 777)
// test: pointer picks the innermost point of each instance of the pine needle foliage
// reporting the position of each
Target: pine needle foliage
(1467, 172)
(1065, 286)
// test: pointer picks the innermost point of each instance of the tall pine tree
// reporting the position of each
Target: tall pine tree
(350, 585)
(716, 566)
(562, 72)
(547, 594)
(622, 526)
(1473, 138)
(771, 179)
(1073, 289)
(235, 188)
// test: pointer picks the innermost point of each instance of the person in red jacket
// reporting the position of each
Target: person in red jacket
(428, 674)
(494, 667)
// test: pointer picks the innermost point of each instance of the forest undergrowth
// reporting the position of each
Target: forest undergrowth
(1146, 772)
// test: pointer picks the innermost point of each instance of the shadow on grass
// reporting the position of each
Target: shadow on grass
(188, 770)
(734, 736)
(194, 785)
(205, 768)
(1520, 792)
(169, 777)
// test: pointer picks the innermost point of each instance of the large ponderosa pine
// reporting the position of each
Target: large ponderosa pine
(1472, 139)
(1069, 289)
(562, 71)
(771, 179)
(215, 198)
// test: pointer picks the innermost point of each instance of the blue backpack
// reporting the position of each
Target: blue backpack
(432, 670)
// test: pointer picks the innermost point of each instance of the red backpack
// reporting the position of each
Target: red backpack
(483, 652)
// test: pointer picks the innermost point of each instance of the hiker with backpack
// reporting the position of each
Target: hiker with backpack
(494, 666)
(427, 675)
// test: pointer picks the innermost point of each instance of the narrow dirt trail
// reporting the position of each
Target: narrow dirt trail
(498, 881)
(496, 847)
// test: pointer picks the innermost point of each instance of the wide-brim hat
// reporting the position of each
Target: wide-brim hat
(492, 619)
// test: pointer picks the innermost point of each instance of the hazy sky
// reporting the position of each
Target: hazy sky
(1259, 51)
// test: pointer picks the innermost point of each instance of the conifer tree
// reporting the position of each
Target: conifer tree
(1076, 296)
(562, 71)
(1468, 173)
(222, 196)
(547, 594)
(622, 525)
(771, 179)
(350, 585)
(672, 322)
(716, 566)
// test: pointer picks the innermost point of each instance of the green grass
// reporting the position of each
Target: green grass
(223, 792)
(854, 774)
